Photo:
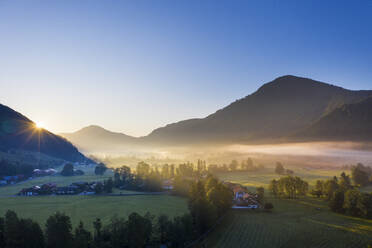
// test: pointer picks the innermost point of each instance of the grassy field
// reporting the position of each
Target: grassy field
(85, 208)
(263, 177)
(293, 223)
(304, 222)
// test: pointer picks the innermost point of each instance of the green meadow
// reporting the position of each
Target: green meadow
(85, 208)
(253, 179)
(292, 223)
(305, 222)
(88, 208)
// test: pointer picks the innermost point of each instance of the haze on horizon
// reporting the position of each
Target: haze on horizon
(134, 66)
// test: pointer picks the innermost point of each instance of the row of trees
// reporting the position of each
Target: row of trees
(8, 168)
(279, 169)
(145, 178)
(344, 196)
(289, 187)
(135, 231)
(234, 165)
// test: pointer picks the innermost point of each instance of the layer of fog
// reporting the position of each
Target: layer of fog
(316, 154)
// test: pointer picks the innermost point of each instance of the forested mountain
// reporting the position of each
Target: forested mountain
(278, 111)
(17, 132)
(349, 122)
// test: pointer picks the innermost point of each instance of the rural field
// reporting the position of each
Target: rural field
(292, 222)
(85, 208)
(263, 177)
(306, 221)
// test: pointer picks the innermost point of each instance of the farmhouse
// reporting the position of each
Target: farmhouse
(242, 197)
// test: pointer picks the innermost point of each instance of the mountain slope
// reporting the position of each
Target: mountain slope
(279, 108)
(349, 122)
(95, 138)
(18, 132)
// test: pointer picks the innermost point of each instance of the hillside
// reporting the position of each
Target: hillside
(277, 109)
(17, 132)
(97, 138)
(348, 122)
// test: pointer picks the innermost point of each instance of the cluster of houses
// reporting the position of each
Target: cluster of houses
(82, 188)
(242, 197)
(5, 180)
(42, 173)
(9, 180)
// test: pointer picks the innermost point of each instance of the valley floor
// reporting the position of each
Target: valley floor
(85, 208)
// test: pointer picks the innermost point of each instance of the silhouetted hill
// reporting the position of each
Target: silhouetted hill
(277, 109)
(95, 138)
(18, 132)
(349, 122)
(277, 112)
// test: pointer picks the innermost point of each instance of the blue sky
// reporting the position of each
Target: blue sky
(132, 66)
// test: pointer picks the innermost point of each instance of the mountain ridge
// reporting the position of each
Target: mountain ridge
(20, 133)
(276, 111)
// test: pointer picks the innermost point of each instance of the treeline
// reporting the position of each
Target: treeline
(279, 169)
(135, 231)
(208, 200)
(344, 195)
(289, 187)
(8, 168)
(150, 178)
(234, 165)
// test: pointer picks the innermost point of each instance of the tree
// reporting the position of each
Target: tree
(360, 175)
(108, 185)
(337, 201)
(163, 228)
(268, 206)
(352, 202)
(99, 188)
(279, 169)
(289, 186)
(2, 232)
(68, 170)
(260, 194)
(182, 230)
(345, 182)
(100, 169)
(143, 169)
(11, 230)
(82, 238)
(138, 230)
(201, 210)
(329, 187)
(58, 231)
(31, 234)
(220, 198)
(97, 224)
(233, 165)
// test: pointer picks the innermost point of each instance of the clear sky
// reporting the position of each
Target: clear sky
(132, 66)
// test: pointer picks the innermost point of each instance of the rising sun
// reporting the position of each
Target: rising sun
(39, 125)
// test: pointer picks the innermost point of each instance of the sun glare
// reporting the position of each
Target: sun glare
(39, 125)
